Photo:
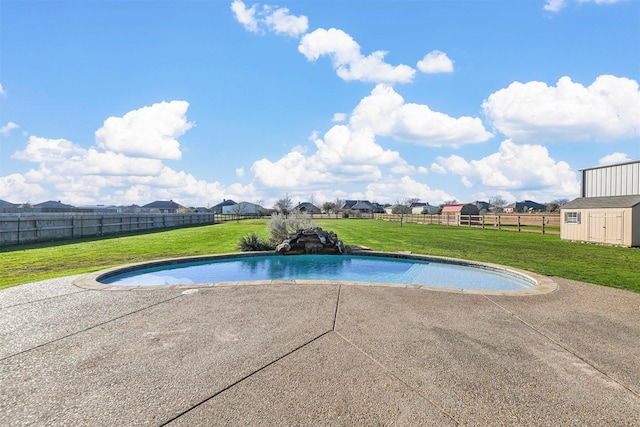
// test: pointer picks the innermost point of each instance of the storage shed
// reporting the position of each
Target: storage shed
(458, 213)
(613, 220)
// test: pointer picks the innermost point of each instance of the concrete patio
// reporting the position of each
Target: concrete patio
(317, 355)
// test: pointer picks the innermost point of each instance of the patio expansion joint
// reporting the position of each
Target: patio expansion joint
(79, 291)
(386, 369)
(263, 367)
(89, 328)
(566, 348)
(249, 375)
(390, 372)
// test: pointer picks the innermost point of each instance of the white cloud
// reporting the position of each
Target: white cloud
(240, 172)
(45, 150)
(314, 135)
(349, 153)
(339, 117)
(554, 5)
(435, 167)
(281, 22)
(525, 168)
(608, 109)
(614, 158)
(99, 175)
(387, 114)
(95, 162)
(6, 129)
(600, 1)
(557, 5)
(435, 62)
(2, 92)
(277, 20)
(345, 145)
(342, 156)
(16, 189)
(245, 16)
(147, 132)
(391, 189)
(347, 60)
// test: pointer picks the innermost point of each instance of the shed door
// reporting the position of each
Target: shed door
(606, 227)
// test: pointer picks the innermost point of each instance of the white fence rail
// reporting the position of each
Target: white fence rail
(31, 228)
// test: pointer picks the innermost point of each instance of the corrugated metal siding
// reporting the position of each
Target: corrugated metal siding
(614, 180)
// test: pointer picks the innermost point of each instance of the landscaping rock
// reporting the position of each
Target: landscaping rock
(311, 241)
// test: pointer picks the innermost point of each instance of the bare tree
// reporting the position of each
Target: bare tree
(283, 206)
(498, 203)
(402, 207)
(260, 210)
(329, 207)
(556, 204)
(237, 210)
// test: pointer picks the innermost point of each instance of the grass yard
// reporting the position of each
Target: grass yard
(542, 254)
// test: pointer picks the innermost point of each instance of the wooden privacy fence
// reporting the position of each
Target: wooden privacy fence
(31, 228)
(530, 223)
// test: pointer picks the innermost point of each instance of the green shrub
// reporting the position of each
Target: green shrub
(252, 243)
(280, 226)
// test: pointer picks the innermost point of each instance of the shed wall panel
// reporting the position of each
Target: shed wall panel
(577, 232)
(608, 226)
(615, 180)
(635, 226)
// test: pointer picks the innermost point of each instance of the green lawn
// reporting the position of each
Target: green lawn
(542, 254)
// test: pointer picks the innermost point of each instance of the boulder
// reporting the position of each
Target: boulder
(311, 241)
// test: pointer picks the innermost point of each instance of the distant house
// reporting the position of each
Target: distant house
(243, 208)
(225, 202)
(363, 206)
(7, 206)
(423, 208)
(53, 206)
(307, 207)
(99, 209)
(130, 209)
(377, 207)
(454, 213)
(349, 204)
(526, 206)
(608, 209)
(482, 206)
(162, 206)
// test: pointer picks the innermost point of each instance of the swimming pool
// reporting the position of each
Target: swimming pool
(372, 268)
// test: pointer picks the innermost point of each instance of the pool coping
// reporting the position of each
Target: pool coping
(543, 284)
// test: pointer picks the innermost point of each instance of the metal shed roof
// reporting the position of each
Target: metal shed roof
(603, 202)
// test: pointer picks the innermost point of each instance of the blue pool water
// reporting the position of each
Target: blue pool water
(351, 268)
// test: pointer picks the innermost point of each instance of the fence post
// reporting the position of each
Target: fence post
(542, 224)
(499, 225)
(483, 222)
(518, 223)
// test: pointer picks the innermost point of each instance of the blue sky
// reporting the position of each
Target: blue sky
(121, 102)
